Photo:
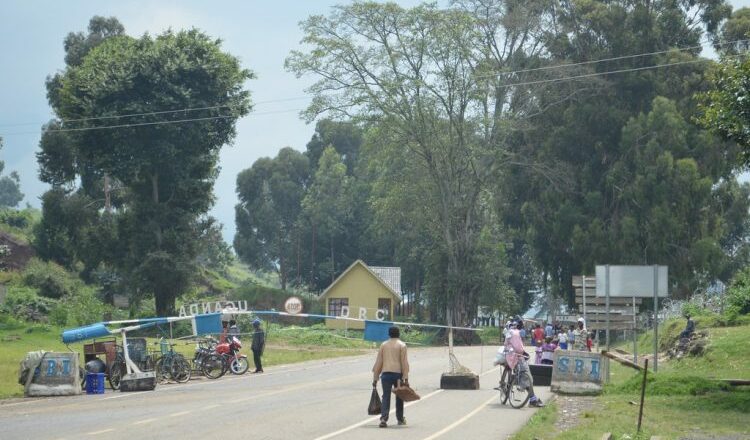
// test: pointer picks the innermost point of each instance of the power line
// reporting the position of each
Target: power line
(610, 72)
(141, 124)
(603, 60)
(295, 98)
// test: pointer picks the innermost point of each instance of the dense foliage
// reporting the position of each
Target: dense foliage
(505, 147)
(130, 202)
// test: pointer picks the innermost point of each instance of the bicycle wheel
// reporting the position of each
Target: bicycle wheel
(181, 371)
(115, 374)
(161, 370)
(518, 395)
(503, 387)
(239, 365)
(212, 366)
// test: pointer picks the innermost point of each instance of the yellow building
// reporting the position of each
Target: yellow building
(364, 292)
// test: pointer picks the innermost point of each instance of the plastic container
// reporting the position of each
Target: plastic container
(94, 383)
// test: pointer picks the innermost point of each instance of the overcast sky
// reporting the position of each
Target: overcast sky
(260, 33)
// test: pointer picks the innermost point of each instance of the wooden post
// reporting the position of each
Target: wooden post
(643, 394)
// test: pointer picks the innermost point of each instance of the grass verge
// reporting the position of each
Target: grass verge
(681, 400)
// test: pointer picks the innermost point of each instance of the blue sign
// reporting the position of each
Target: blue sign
(377, 331)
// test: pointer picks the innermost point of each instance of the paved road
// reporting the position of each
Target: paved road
(313, 400)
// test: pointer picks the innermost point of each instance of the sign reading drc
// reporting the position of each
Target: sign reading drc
(579, 372)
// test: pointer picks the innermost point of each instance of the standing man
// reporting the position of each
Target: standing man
(259, 343)
(391, 365)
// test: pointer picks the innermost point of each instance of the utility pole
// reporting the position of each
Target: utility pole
(107, 200)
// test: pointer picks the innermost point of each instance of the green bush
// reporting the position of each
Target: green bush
(50, 279)
(17, 219)
(24, 303)
(738, 294)
(8, 322)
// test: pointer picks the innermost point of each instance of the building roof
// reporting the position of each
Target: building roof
(390, 277)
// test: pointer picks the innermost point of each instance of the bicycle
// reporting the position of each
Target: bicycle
(171, 365)
(207, 361)
(510, 386)
(138, 355)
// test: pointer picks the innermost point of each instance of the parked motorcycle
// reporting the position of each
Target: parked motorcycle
(234, 361)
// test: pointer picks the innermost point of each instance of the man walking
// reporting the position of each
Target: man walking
(259, 343)
(391, 365)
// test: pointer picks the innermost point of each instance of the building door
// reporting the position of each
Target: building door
(385, 304)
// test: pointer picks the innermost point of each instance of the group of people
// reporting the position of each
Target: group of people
(552, 337)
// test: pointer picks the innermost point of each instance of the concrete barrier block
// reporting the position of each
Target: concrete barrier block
(467, 381)
(56, 375)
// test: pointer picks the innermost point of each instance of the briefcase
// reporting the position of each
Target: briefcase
(404, 392)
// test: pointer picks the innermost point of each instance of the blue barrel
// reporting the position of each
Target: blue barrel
(83, 333)
(94, 383)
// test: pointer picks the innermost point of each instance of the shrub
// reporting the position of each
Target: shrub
(738, 294)
(17, 219)
(51, 280)
(24, 303)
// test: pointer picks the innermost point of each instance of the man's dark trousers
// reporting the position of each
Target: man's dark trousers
(389, 381)
(256, 359)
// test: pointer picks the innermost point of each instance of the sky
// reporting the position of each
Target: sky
(260, 32)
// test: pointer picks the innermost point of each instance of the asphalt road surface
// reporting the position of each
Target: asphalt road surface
(312, 400)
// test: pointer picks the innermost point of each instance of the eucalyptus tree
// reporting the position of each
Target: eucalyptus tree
(644, 181)
(432, 79)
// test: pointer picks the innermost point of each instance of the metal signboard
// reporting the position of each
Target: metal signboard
(631, 281)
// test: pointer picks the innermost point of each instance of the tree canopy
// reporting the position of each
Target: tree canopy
(143, 167)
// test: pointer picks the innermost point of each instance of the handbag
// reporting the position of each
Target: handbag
(375, 405)
(404, 392)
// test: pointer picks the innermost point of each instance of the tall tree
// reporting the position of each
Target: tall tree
(600, 215)
(166, 162)
(10, 186)
(429, 77)
(328, 205)
(267, 217)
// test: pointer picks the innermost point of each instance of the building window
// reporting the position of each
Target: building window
(335, 305)
(385, 304)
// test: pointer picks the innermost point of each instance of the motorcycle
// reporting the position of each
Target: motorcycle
(234, 361)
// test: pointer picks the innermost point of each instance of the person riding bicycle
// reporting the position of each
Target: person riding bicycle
(519, 356)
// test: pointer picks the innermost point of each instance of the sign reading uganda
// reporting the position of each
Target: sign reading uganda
(213, 307)
(579, 372)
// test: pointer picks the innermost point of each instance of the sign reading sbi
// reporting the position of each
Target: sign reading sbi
(579, 372)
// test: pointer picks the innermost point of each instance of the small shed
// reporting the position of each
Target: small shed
(363, 291)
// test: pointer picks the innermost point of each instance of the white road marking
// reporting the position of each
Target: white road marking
(372, 419)
(461, 420)
(100, 432)
(181, 413)
(144, 421)
(211, 407)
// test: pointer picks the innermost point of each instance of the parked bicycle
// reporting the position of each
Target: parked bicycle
(513, 387)
(138, 354)
(171, 365)
(207, 361)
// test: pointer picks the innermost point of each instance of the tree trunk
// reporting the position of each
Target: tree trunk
(312, 259)
(333, 263)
